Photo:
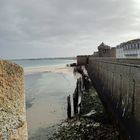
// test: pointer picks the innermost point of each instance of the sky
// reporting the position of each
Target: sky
(64, 28)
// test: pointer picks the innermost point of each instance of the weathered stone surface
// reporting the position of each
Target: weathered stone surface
(12, 102)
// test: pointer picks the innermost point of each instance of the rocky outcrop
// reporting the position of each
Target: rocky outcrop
(12, 102)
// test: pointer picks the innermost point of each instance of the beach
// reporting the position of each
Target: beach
(47, 88)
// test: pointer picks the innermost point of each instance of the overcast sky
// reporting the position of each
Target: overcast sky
(59, 28)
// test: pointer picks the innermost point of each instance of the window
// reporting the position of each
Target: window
(134, 46)
(131, 46)
(138, 45)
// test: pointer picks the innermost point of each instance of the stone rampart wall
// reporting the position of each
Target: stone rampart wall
(82, 59)
(121, 81)
(118, 83)
(12, 102)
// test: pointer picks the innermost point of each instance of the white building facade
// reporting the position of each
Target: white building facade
(130, 49)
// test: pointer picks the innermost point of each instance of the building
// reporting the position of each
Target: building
(113, 52)
(129, 49)
(96, 54)
(105, 51)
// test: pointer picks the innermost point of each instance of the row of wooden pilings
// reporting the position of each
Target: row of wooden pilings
(82, 84)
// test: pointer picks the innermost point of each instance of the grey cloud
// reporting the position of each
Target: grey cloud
(74, 26)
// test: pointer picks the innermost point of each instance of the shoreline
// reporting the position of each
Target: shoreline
(55, 69)
(43, 98)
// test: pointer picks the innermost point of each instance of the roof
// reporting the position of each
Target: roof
(129, 42)
(103, 46)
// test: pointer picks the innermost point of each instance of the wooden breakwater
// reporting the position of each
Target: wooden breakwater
(82, 84)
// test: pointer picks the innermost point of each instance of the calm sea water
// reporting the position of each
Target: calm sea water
(33, 63)
(46, 95)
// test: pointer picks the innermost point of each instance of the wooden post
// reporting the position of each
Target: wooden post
(80, 84)
(68, 107)
(75, 99)
(74, 103)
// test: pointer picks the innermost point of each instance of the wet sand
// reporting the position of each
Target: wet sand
(46, 93)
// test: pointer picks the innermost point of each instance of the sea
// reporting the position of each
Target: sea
(46, 94)
(36, 63)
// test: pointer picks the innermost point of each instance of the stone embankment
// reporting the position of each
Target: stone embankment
(117, 82)
(12, 102)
